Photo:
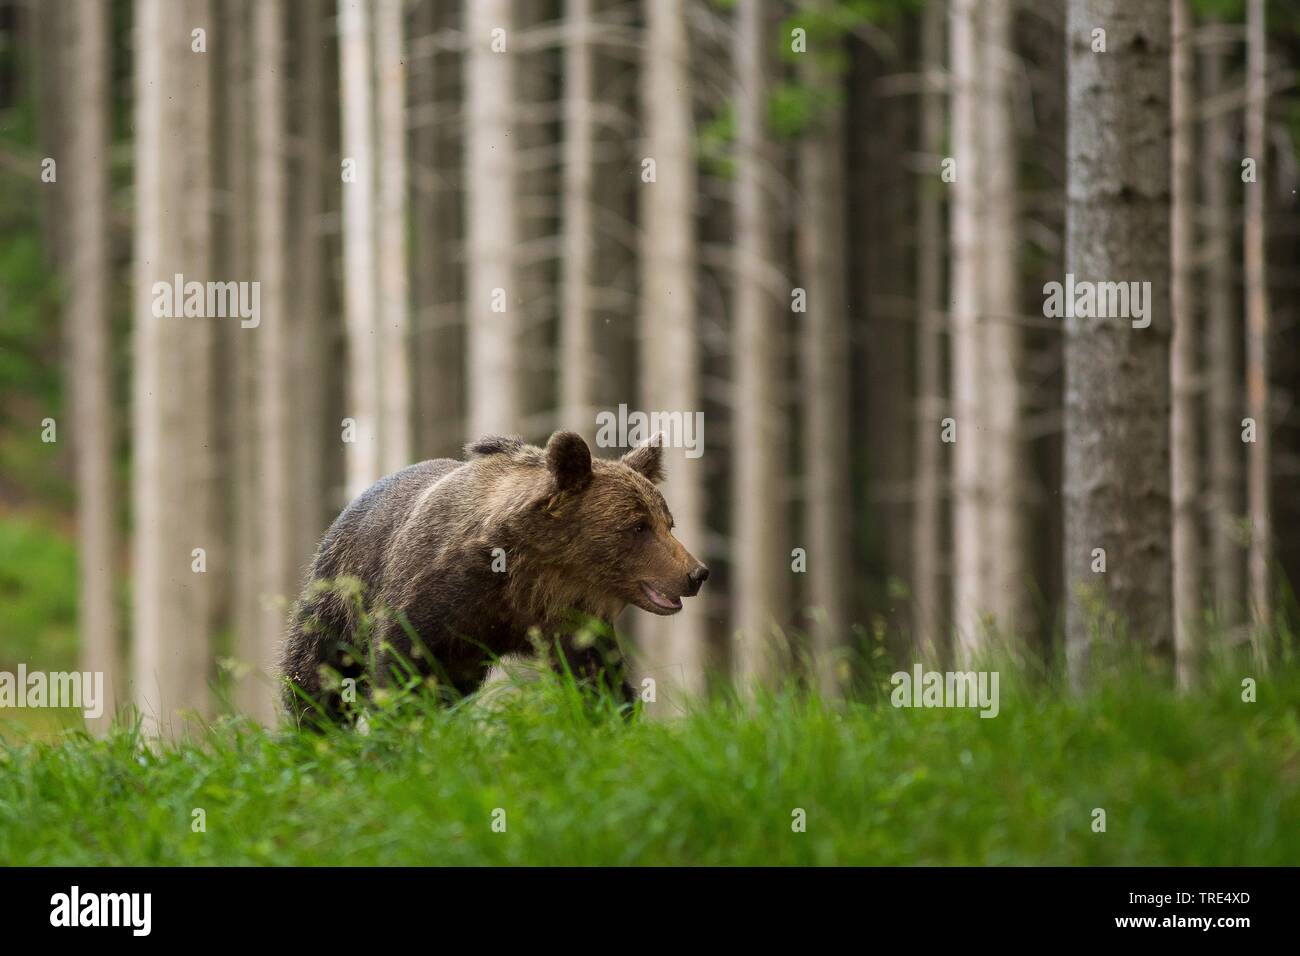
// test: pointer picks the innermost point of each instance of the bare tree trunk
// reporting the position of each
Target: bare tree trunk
(1004, 543)
(221, 359)
(820, 241)
(90, 368)
(360, 296)
(171, 494)
(1223, 350)
(1117, 397)
(927, 583)
(246, 428)
(490, 168)
(673, 647)
(395, 398)
(538, 188)
(577, 359)
(616, 259)
(966, 244)
(311, 327)
(436, 175)
(336, 356)
(200, 452)
(275, 396)
(1184, 452)
(877, 146)
(201, 377)
(760, 532)
(1259, 460)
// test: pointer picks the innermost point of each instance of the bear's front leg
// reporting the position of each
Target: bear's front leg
(598, 664)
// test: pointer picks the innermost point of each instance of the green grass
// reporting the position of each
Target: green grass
(1194, 779)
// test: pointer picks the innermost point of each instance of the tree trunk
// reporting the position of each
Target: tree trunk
(90, 368)
(1117, 396)
(360, 298)
(1223, 349)
(820, 242)
(927, 547)
(1004, 542)
(171, 494)
(204, 473)
(490, 167)
(311, 321)
(1259, 460)
(275, 395)
(760, 535)
(246, 616)
(436, 177)
(395, 397)
(577, 353)
(673, 648)
(1184, 453)
(615, 259)
(966, 245)
(537, 194)
(878, 142)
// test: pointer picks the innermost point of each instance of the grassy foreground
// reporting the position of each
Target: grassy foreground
(1199, 779)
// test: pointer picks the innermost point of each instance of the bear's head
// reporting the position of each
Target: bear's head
(611, 529)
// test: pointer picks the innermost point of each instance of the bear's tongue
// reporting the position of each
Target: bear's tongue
(663, 602)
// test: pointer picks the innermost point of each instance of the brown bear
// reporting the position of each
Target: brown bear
(474, 557)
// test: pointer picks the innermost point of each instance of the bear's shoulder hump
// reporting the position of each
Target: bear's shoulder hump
(495, 445)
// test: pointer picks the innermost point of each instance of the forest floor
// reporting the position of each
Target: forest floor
(543, 777)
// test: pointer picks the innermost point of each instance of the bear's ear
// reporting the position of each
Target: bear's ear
(569, 460)
(648, 460)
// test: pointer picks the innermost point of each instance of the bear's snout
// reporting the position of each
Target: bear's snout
(695, 579)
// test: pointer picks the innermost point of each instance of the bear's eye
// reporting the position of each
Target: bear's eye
(640, 528)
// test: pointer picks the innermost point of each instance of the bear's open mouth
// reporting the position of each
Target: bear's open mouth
(658, 599)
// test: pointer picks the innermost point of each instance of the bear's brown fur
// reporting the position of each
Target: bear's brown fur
(581, 538)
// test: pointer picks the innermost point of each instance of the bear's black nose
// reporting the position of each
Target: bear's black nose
(697, 577)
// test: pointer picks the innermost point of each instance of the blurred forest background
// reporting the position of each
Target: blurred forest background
(825, 225)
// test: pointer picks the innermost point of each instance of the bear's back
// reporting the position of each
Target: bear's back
(356, 542)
